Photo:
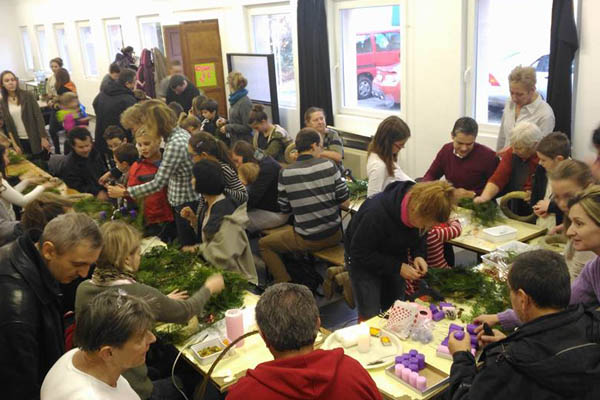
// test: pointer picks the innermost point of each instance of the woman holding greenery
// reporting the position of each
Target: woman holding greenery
(116, 268)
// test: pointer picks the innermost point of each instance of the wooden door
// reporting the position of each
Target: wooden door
(172, 43)
(203, 60)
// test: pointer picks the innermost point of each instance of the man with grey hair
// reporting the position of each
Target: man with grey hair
(288, 320)
(517, 163)
(113, 335)
(31, 326)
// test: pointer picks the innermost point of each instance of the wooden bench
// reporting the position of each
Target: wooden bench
(333, 255)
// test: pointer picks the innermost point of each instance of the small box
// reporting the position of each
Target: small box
(516, 246)
(498, 234)
(434, 378)
(208, 359)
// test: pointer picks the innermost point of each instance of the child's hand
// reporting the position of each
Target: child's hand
(188, 214)
(541, 208)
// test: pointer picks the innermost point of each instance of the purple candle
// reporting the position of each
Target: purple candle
(471, 328)
(405, 363)
(421, 361)
(414, 367)
(437, 316)
(433, 308)
(455, 327)
(413, 352)
(399, 360)
(459, 335)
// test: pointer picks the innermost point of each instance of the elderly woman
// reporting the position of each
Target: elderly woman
(525, 105)
(333, 147)
(237, 127)
(515, 170)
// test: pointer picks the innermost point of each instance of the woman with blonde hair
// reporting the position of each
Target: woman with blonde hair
(237, 125)
(525, 105)
(175, 170)
(384, 231)
(116, 268)
(382, 162)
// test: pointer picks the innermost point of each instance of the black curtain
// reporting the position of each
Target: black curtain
(563, 45)
(313, 58)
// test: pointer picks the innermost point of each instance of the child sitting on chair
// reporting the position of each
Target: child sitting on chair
(71, 113)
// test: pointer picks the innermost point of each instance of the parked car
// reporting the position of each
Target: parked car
(386, 85)
(373, 50)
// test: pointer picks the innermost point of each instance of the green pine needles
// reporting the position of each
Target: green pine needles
(485, 214)
(487, 295)
(357, 189)
(169, 268)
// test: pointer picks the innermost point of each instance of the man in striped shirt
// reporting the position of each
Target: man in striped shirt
(312, 189)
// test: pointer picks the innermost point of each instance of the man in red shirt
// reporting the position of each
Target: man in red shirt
(288, 320)
(464, 163)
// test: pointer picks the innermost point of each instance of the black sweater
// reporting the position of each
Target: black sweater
(377, 240)
(262, 194)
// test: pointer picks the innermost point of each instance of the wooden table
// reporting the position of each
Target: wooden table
(470, 239)
(27, 166)
(254, 352)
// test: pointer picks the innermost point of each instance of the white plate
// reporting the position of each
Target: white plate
(376, 352)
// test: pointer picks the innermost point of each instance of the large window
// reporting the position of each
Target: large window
(509, 33)
(114, 37)
(369, 55)
(272, 33)
(40, 32)
(61, 45)
(151, 33)
(88, 51)
(27, 49)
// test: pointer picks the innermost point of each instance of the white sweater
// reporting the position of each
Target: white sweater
(10, 195)
(378, 175)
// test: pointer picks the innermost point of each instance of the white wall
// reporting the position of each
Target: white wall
(587, 84)
(10, 40)
(436, 43)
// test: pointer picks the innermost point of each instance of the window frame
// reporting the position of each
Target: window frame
(150, 19)
(261, 10)
(336, 58)
(28, 57)
(112, 22)
(87, 67)
(42, 50)
(66, 57)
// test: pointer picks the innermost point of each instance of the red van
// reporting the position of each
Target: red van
(374, 49)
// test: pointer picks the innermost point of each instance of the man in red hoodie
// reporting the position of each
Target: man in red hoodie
(288, 320)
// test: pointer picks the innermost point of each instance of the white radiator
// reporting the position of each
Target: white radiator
(356, 161)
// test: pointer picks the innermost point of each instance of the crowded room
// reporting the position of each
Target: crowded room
(299, 199)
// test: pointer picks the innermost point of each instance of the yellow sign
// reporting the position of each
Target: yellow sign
(205, 75)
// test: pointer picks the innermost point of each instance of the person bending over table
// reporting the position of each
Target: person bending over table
(518, 163)
(554, 355)
(288, 321)
(271, 138)
(32, 333)
(383, 232)
(94, 369)
(383, 167)
(584, 232)
(117, 265)
(524, 105)
(465, 163)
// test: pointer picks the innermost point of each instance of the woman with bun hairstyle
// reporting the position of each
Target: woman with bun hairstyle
(271, 138)
(237, 126)
(383, 232)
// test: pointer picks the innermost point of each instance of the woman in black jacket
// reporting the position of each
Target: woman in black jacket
(263, 209)
(380, 236)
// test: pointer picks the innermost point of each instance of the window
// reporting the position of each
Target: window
(40, 32)
(151, 33)
(27, 51)
(114, 37)
(369, 56)
(272, 33)
(61, 45)
(499, 50)
(88, 51)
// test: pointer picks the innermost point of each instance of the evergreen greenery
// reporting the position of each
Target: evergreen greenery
(357, 189)
(485, 214)
(169, 268)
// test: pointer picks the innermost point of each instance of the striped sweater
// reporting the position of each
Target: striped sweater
(312, 189)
